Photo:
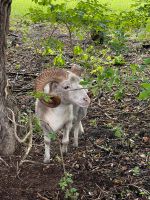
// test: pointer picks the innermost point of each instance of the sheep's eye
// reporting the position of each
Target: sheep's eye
(66, 87)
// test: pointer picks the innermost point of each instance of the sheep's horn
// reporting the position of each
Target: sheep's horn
(77, 69)
(47, 76)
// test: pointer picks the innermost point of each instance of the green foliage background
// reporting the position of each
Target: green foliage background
(116, 22)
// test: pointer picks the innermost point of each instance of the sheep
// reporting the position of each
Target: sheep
(66, 108)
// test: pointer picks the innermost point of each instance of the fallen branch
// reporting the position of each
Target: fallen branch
(36, 163)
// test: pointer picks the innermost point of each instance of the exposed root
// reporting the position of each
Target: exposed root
(27, 136)
(29, 143)
(15, 129)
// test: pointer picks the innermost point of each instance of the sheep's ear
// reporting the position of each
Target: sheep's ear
(53, 86)
(76, 69)
(74, 79)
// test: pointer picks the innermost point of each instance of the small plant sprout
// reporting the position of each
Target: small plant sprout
(52, 135)
(66, 186)
(93, 122)
(136, 171)
(119, 60)
(118, 132)
(36, 125)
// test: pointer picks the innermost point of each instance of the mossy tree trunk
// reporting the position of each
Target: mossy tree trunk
(7, 140)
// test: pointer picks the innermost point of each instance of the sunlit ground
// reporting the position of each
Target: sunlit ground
(21, 7)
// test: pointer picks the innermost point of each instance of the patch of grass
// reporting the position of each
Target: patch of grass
(119, 4)
(21, 7)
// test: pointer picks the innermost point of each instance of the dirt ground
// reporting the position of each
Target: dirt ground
(104, 167)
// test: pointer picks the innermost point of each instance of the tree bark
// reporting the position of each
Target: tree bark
(7, 139)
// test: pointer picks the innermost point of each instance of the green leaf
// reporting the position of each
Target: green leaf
(58, 60)
(118, 132)
(119, 94)
(52, 135)
(144, 95)
(84, 82)
(77, 50)
(146, 61)
(134, 68)
(146, 86)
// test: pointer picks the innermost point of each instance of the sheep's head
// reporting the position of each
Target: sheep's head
(62, 86)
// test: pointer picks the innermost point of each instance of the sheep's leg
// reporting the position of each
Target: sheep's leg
(47, 142)
(77, 127)
(65, 139)
(81, 128)
(46, 129)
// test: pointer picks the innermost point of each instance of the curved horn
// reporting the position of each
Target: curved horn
(76, 69)
(47, 76)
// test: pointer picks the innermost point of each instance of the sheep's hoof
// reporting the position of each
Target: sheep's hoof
(75, 145)
(64, 149)
(46, 160)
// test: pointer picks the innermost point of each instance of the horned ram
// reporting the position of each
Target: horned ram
(66, 108)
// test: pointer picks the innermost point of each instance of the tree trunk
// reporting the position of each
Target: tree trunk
(7, 140)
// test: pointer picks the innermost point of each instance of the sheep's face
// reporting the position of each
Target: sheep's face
(70, 91)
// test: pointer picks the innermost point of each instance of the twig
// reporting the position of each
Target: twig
(140, 111)
(22, 74)
(37, 163)
(54, 29)
(70, 36)
(4, 162)
(109, 116)
(15, 129)
(140, 189)
(102, 147)
(12, 34)
(44, 198)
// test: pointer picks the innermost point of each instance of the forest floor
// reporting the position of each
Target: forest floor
(104, 167)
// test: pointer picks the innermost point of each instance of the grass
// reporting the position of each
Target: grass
(20, 7)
